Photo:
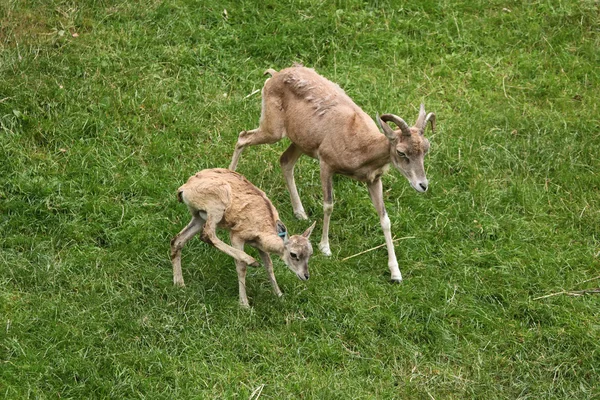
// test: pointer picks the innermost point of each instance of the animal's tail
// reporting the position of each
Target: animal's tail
(270, 71)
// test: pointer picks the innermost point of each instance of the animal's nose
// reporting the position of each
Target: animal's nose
(423, 186)
(306, 276)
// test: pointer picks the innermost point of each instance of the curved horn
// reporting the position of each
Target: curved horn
(422, 120)
(398, 121)
(430, 117)
(387, 131)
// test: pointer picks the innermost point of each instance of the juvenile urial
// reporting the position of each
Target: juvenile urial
(223, 198)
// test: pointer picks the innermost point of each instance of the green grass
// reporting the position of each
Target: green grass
(107, 107)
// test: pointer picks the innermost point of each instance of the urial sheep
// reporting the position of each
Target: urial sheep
(323, 122)
(223, 198)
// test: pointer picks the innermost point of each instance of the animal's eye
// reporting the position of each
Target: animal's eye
(401, 154)
(294, 256)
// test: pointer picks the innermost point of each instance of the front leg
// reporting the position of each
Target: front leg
(376, 194)
(327, 186)
(287, 161)
(266, 259)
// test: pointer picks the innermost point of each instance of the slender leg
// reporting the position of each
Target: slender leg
(240, 267)
(266, 259)
(287, 161)
(195, 226)
(209, 233)
(327, 185)
(376, 194)
(271, 127)
(250, 138)
(242, 142)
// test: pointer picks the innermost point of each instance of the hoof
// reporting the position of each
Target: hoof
(179, 283)
(325, 249)
(250, 261)
(396, 280)
(300, 215)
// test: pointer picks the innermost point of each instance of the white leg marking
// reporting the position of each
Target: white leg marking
(392, 261)
(324, 244)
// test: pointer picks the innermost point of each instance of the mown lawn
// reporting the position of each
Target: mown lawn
(106, 107)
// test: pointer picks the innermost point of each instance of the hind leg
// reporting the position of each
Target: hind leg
(251, 138)
(271, 129)
(195, 226)
(209, 234)
(240, 267)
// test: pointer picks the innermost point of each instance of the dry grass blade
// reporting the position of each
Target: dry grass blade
(375, 248)
(253, 93)
(571, 293)
(589, 280)
(257, 392)
(582, 292)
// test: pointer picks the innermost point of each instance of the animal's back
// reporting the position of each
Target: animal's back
(244, 203)
(313, 88)
(319, 116)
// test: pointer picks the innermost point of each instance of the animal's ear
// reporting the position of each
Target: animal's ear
(307, 232)
(282, 231)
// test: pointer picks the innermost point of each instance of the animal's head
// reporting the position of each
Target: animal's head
(408, 146)
(297, 251)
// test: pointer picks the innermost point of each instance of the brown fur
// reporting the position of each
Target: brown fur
(223, 198)
(249, 212)
(323, 122)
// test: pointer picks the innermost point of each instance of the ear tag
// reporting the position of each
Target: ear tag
(281, 230)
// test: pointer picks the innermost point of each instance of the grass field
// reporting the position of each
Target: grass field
(106, 107)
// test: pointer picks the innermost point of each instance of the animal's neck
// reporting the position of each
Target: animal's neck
(381, 152)
(271, 243)
(376, 160)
